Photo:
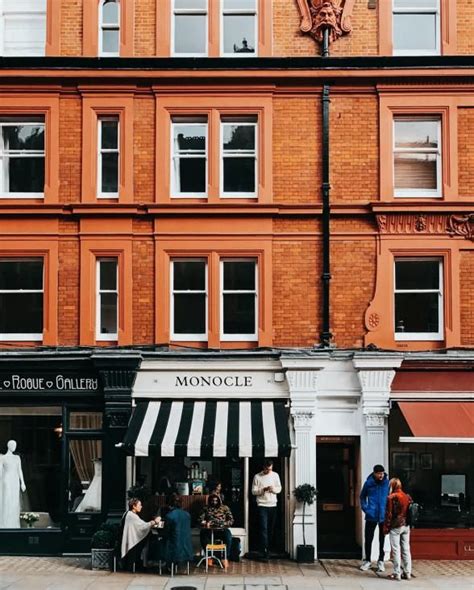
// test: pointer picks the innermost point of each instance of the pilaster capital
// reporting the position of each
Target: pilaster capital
(375, 420)
(302, 419)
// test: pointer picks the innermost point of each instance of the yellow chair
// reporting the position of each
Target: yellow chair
(211, 548)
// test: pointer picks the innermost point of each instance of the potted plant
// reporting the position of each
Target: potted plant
(102, 548)
(305, 493)
(29, 518)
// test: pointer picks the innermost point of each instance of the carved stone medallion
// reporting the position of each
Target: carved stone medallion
(317, 15)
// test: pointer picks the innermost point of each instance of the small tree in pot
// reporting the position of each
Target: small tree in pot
(103, 546)
(305, 493)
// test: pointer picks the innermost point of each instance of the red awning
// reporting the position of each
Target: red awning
(439, 419)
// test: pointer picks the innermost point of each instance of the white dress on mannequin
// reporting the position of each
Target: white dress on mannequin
(92, 500)
(11, 481)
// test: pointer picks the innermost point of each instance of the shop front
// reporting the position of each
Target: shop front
(55, 453)
(431, 429)
(199, 423)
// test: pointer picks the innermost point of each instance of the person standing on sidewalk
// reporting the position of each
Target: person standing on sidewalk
(265, 487)
(396, 525)
(373, 500)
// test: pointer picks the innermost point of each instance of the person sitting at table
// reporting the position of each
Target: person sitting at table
(177, 533)
(135, 532)
(216, 515)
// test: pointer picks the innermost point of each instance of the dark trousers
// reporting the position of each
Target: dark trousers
(224, 534)
(266, 521)
(370, 527)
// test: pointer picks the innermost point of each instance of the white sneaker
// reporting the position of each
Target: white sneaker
(365, 566)
(380, 567)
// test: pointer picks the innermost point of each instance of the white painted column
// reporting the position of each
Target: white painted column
(376, 372)
(302, 377)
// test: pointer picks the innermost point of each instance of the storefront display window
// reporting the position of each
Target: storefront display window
(194, 479)
(30, 467)
(85, 475)
(438, 476)
(85, 421)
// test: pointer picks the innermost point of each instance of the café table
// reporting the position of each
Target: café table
(213, 530)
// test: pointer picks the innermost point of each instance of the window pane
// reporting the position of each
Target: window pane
(239, 275)
(21, 274)
(110, 164)
(21, 313)
(190, 33)
(189, 275)
(190, 137)
(416, 171)
(108, 274)
(110, 12)
(415, 3)
(417, 32)
(189, 313)
(239, 314)
(420, 134)
(85, 476)
(25, 175)
(416, 312)
(85, 420)
(239, 175)
(190, 4)
(108, 313)
(239, 4)
(239, 33)
(24, 137)
(192, 175)
(239, 137)
(109, 134)
(417, 274)
(110, 41)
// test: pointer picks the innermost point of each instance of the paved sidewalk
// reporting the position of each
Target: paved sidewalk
(68, 573)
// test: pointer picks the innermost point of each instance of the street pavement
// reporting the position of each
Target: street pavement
(72, 573)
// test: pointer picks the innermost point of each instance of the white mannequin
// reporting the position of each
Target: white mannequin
(93, 497)
(11, 481)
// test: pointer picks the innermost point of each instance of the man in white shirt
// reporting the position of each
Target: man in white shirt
(265, 487)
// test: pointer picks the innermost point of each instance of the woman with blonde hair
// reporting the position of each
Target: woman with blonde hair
(396, 524)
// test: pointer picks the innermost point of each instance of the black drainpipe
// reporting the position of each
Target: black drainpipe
(326, 335)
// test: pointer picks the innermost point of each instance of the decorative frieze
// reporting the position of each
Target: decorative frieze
(318, 15)
(302, 380)
(461, 225)
(412, 224)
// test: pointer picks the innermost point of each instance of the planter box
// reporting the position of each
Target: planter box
(101, 559)
(305, 553)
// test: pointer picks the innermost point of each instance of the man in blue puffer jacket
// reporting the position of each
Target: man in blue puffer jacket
(373, 500)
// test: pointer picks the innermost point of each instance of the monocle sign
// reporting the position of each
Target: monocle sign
(49, 382)
(221, 381)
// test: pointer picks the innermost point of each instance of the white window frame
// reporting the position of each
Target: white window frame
(189, 337)
(101, 151)
(188, 154)
(108, 26)
(415, 192)
(22, 336)
(429, 336)
(420, 10)
(238, 337)
(237, 154)
(5, 154)
(189, 11)
(242, 12)
(99, 291)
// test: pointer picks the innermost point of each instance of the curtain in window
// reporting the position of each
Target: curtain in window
(83, 452)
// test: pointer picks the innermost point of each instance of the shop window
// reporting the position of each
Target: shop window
(436, 474)
(85, 420)
(85, 475)
(190, 27)
(30, 467)
(239, 26)
(109, 38)
(108, 166)
(22, 155)
(189, 157)
(239, 299)
(416, 27)
(417, 157)
(418, 299)
(23, 26)
(21, 299)
(107, 299)
(239, 157)
(189, 300)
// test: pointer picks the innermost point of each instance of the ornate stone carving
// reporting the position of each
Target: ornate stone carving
(317, 15)
(375, 420)
(376, 380)
(401, 223)
(373, 321)
(302, 419)
(302, 380)
(461, 225)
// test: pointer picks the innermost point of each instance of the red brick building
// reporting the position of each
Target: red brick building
(169, 177)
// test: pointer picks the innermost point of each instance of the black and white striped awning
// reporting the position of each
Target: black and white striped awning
(208, 429)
